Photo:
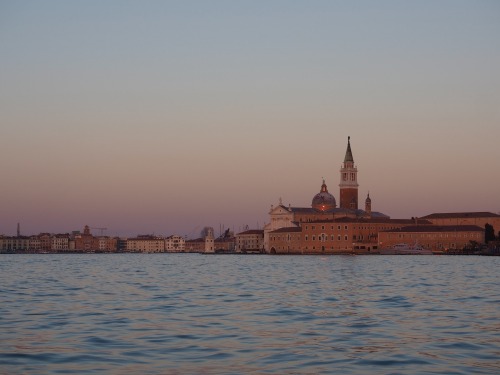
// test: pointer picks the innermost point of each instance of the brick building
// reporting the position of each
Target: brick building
(250, 241)
(345, 235)
(465, 218)
(433, 237)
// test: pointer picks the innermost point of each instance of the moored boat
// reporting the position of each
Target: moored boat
(405, 249)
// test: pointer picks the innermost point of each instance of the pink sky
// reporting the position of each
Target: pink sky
(167, 117)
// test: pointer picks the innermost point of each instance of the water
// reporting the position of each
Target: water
(202, 314)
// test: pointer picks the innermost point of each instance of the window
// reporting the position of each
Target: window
(345, 227)
(339, 237)
(314, 238)
(322, 227)
(345, 237)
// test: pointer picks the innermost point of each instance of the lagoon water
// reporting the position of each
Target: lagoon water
(200, 314)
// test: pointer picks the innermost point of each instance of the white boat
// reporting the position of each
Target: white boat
(405, 249)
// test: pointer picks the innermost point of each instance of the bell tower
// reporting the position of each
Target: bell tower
(368, 205)
(209, 241)
(349, 181)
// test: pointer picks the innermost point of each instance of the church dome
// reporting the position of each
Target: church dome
(324, 201)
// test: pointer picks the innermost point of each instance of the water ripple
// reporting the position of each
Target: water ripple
(193, 314)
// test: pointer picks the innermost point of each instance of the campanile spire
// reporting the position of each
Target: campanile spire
(348, 154)
(349, 181)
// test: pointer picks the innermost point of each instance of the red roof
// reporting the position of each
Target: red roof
(437, 228)
(252, 231)
(370, 220)
(287, 229)
(452, 215)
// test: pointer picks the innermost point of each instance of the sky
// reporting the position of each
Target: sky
(167, 116)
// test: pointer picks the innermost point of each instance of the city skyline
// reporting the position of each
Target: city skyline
(166, 117)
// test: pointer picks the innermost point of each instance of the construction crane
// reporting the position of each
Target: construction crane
(101, 230)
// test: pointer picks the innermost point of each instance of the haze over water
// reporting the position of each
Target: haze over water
(192, 314)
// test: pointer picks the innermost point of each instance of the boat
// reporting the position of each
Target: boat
(405, 249)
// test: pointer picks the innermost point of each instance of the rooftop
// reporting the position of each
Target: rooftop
(336, 211)
(459, 215)
(287, 230)
(437, 228)
(375, 220)
(252, 231)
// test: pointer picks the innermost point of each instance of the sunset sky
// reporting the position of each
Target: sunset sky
(167, 116)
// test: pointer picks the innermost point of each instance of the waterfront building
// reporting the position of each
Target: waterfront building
(210, 241)
(433, 237)
(465, 218)
(121, 244)
(86, 241)
(35, 244)
(146, 244)
(324, 205)
(250, 241)
(286, 240)
(59, 242)
(344, 235)
(107, 244)
(195, 245)
(45, 242)
(225, 244)
(14, 243)
(175, 244)
(202, 244)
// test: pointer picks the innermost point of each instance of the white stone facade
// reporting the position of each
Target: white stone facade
(280, 217)
(175, 243)
(147, 244)
(250, 241)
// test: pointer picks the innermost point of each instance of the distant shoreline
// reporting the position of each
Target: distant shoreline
(487, 252)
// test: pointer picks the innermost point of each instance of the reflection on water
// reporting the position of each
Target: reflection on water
(199, 314)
